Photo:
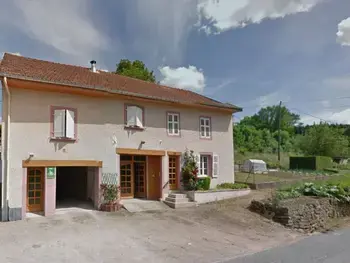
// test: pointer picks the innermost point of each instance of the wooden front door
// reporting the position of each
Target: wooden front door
(35, 189)
(154, 178)
(140, 179)
(126, 180)
(173, 172)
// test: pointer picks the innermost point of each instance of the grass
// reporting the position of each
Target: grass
(267, 157)
(257, 178)
(232, 186)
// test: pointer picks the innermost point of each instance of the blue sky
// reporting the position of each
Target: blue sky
(247, 52)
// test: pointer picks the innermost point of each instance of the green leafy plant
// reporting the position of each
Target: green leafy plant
(110, 193)
(232, 186)
(189, 171)
(330, 190)
(203, 184)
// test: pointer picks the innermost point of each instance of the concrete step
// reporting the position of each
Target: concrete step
(177, 200)
(177, 195)
(179, 205)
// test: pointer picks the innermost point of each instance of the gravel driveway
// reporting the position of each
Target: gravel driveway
(208, 233)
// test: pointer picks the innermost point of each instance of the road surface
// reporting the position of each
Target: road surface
(333, 247)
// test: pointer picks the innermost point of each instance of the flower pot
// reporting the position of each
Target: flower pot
(110, 207)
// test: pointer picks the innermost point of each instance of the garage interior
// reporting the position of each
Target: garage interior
(74, 187)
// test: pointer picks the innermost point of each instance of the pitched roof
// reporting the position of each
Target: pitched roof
(18, 67)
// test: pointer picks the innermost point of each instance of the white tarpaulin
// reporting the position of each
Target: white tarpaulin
(254, 166)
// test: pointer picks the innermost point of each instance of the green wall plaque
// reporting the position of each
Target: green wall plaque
(50, 172)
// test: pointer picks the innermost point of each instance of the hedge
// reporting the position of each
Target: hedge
(310, 163)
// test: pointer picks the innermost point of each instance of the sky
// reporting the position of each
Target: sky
(251, 53)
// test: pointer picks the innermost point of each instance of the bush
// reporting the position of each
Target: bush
(273, 165)
(203, 184)
(232, 186)
(310, 163)
(189, 171)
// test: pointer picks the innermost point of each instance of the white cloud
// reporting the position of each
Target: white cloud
(64, 25)
(272, 99)
(343, 34)
(227, 14)
(185, 78)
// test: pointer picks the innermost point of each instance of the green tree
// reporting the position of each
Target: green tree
(268, 118)
(135, 69)
(324, 140)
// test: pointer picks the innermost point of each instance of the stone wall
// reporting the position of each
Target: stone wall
(305, 213)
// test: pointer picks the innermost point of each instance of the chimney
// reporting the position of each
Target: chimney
(93, 66)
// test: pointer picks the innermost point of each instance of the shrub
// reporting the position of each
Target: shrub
(206, 183)
(189, 171)
(232, 186)
(273, 165)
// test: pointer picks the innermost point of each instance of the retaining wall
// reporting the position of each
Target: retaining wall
(305, 213)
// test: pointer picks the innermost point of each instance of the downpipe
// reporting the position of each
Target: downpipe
(5, 153)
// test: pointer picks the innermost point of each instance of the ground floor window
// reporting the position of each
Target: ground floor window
(204, 165)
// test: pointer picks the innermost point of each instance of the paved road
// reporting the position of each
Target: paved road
(333, 247)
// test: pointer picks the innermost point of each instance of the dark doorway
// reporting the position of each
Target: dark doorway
(72, 187)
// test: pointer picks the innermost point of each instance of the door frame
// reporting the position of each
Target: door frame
(144, 176)
(42, 196)
(177, 172)
(132, 179)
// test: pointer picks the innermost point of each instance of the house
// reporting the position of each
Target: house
(67, 129)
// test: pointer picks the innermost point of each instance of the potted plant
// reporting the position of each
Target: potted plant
(110, 198)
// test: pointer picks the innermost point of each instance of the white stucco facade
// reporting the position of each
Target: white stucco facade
(99, 122)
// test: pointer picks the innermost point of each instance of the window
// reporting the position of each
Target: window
(208, 165)
(173, 120)
(134, 117)
(205, 127)
(204, 162)
(64, 123)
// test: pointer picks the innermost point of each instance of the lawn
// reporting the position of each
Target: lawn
(255, 178)
(280, 176)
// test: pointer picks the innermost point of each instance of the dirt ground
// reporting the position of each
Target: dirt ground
(208, 233)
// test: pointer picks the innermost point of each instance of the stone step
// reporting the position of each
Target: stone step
(177, 200)
(179, 205)
(177, 195)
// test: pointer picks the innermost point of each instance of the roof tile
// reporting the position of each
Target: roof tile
(39, 70)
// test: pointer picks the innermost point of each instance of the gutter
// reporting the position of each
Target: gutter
(120, 92)
(5, 153)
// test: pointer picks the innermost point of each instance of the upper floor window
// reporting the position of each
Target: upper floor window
(63, 123)
(134, 116)
(173, 120)
(205, 127)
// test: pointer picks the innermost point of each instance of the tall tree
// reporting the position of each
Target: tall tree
(324, 140)
(135, 69)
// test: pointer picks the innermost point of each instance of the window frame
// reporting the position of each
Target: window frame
(209, 168)
(170, 113)
(52, 123)
(126, 117)
(205, 137)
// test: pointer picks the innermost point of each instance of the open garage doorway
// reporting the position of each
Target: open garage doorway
(75, 187)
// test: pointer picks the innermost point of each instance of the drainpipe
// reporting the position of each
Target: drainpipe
(5, 153)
